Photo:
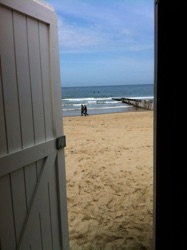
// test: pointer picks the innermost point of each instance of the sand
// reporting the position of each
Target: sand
(109, 172)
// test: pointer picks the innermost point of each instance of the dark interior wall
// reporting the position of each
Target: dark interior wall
(170, 149)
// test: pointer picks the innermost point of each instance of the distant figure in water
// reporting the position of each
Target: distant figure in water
(85, 110)
(82, 110)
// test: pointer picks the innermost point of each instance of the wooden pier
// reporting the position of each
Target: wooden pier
(140, 103)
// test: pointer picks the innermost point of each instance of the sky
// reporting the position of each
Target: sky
(105, 42)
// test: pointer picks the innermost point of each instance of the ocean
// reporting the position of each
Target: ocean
(99, 99)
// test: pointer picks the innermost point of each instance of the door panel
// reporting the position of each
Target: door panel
(33, 210)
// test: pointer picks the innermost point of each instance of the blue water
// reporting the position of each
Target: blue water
(99, 99)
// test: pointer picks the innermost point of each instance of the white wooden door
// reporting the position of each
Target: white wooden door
(33, 205)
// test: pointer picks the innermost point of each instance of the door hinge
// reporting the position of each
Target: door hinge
(61, 142)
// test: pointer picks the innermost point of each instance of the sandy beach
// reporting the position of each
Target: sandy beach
(109, 172)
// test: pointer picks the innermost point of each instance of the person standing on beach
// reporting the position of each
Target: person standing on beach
(85, 110)
(82, 110)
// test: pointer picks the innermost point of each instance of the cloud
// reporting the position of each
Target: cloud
(86, 27)
(73, 37)
(113, 37)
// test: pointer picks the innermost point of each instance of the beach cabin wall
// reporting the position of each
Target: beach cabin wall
(33, 206)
